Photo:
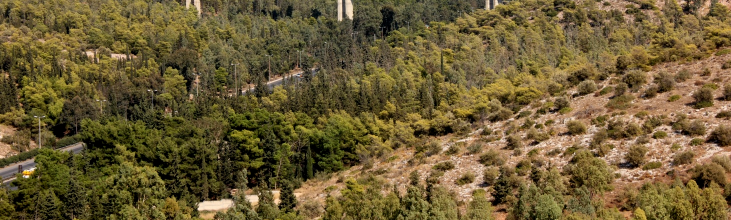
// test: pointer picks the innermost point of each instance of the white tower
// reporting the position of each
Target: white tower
(345, 9)
(197, 4)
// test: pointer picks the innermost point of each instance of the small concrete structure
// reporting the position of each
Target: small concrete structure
(197, 4)
(345, 10)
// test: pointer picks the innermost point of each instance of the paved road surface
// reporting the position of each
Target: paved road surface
(277, 82)
(7, 174)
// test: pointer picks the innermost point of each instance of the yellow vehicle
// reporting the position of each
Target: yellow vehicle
(28, 172)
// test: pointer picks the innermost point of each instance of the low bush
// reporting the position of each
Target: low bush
(724, 114)
(721, 136)
(490, 175)
(501, 115)
(664, 82)
(562, 102)
(19, 157)
(696, 142)
(682, 75)
(620, 102)
(620, 89)
(723, 161)
(673, 98)
(474, 148)
(492, 158)
(452, 150)
(651, 92)
(635, 79)
(703, 97)
(683, 158)
(695, 128)
(606, 90)
(636, 155)
(726, 92)
(466, 178)
(675, 147)
(523, 167)
(598, 138)
(586, 87)
(576, 127)
(659, 135)
(443, 166)
(705, 174)
(604, 149)
(513, 142)
(652, 165)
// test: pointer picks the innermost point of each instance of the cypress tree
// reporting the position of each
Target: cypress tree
(287, 198)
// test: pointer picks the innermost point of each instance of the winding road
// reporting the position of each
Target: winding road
(7, 174)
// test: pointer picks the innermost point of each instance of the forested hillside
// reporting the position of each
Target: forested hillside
(156, 93)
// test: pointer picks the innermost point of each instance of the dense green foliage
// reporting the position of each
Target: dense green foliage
(176, 128)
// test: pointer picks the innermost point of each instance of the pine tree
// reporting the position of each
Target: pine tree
(639, 214)
(48, 207)
(6, 206)
(76, 200)
(267, 210)
(479, 208)
(287, 199)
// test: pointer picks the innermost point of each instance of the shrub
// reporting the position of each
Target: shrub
(721, 136)
(651, 92)
(599, 121)
(696, 142)
(683, 158)
(475, 148)
(673, 98)
(501, 115)
(620, 89)
(490, 175)
(695, 128)
(642, 114)
(705, 174)
(635, 79)
(533, 134)
(599, 138)
(430, 149)
(706, 72)
(726, 92)
(576, 127)
(675, 147)
(724, 114)
(606, 90)
(682, 75)
(652, 165)
(604, 149)
(723, 161)
(562, 102)
(712, 86)
(621, 102)
(587, 87)
(466, 178)
(659, 135)
(443, 166)
(492, 158)
(523, 167)
(514, 142)
(664, 82)
(644, 139)
(703, 98)
(452, 150)
(727, 64)
(636, 155)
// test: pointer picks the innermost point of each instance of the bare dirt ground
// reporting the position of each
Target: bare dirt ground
(5, 149)
(395, 172)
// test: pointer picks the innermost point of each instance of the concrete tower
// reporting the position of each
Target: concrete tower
(345, 9)
(491, 4)
(197, 4)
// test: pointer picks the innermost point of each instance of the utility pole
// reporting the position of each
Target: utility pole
(236, 79)
(299, 63)
(39, 129)
(269, 68)
(101, 107)
(152, 94)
